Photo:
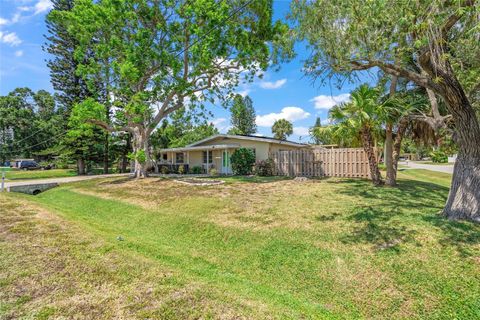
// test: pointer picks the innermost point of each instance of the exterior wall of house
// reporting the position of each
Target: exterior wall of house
(195, 158)
(262, 151)
(261, 148)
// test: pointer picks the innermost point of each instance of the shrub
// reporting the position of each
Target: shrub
(242, 161)
(213, 172)
(265, 168)
(196, 170)
(181, 169)
(164, 170)
(439, 157)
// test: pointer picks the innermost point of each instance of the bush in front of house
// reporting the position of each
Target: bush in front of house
(439, 157)
(265, 168)
(181, 169)
(196, 170)
(164, 170)
(242, 161)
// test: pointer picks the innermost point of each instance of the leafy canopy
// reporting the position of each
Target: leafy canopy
(242, 116)
(281, 129)
(162, 55)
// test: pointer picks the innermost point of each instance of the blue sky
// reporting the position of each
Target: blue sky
(283, 94)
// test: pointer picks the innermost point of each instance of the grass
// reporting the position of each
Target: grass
(15, 174)
(251, 248)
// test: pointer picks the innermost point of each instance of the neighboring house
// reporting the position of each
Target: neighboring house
(215, 151)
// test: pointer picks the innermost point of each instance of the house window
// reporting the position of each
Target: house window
(210, 157)
(165, 157)
(179, 157)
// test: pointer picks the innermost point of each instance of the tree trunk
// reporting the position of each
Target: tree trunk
(105, 153)
(368, 146)
(124, 161)
(140, 143)
(464, 197)
(81, 166)
(397, 145)
(391, 179)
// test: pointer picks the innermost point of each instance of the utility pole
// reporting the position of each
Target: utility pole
(3, 181)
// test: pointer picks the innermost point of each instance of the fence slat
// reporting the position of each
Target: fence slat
(343, 162)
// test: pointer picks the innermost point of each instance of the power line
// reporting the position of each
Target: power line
(29, 136)
(30, 147)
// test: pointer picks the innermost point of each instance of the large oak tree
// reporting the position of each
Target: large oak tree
(163, 55)
(355, 35)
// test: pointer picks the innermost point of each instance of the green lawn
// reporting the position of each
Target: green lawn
(251, 248)
(15, 174)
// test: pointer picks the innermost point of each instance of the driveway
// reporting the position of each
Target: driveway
(62, 180)
(431, 167)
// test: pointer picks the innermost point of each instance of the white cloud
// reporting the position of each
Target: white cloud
(288, 113)
(326, 102)
(272, 85)
(18, 53)
(42, 6)
(221, 124)
(301, 131)
(3, 21)
(16, 17)
(244, 93)
(10, 38)
(218, 121)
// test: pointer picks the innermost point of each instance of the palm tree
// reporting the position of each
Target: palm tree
(363, 116)
(281, 129)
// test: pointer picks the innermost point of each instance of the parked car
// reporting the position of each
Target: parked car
(29, 165)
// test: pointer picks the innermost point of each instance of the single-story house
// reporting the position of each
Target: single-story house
(215, 151)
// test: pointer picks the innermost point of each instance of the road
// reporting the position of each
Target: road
(431, 167)
(61, 180)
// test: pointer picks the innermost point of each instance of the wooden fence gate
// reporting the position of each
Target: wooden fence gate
(345, 162)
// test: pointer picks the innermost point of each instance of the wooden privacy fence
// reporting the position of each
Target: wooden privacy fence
(345, 162)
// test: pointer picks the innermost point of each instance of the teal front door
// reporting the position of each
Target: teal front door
(226, 167)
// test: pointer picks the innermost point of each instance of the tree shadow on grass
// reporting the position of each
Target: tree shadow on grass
(464, 236)
(117, 181)
(385, 222)
(374, 226)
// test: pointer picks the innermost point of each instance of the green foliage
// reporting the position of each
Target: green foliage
(358, 35)
(242, 116)
(70, 87)
(164, 170)
(281, 129)
(265, 168)
(242, 161)
(30, 122)
(181, 169)
(365, 110)
(182, 128)
(439, 156)
(139, 156)
(213, 172)
(161, 55)
(196, 170)
(313, 132)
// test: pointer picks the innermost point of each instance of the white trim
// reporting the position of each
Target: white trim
(232, 136)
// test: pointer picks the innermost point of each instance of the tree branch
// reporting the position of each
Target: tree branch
(105, 126)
